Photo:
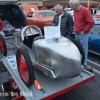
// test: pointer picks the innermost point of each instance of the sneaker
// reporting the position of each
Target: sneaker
(88, 68)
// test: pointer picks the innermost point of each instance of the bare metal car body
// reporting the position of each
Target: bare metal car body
(55, 58)
(63, 57)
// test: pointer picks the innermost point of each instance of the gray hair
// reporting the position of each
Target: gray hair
(58, 6)
(74, 2)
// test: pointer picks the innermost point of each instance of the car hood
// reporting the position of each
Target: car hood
(46, 19)
(49, 54)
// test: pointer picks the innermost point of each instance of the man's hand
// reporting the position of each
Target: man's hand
(69, 37)
(82, 33)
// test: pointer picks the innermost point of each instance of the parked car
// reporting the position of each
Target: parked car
(94, 39)
(28, 8)
(40, 18)
(11, 13)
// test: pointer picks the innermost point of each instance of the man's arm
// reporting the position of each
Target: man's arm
(89, 20)
(54, 23)
(70, 24)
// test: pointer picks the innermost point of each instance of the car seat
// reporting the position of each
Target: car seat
(29, 33)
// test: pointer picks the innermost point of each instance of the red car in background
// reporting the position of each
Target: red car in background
(28, 8)
(40, 18)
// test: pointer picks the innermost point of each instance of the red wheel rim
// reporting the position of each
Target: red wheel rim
(23, 68)
(1, 46)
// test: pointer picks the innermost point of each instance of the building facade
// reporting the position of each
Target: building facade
(48, 3)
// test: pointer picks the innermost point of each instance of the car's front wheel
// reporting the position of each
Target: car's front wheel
(25, 68)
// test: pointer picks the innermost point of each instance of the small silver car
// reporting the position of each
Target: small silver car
(57, 58)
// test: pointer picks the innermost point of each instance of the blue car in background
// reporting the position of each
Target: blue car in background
(94, 39)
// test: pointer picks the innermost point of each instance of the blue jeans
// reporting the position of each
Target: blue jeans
(83, 39)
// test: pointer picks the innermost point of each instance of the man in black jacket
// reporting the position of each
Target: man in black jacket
(64, 20)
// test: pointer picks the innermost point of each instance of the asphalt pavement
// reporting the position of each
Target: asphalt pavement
(88, 91)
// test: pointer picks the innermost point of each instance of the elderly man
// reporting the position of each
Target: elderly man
(64, 20)
(83, 22)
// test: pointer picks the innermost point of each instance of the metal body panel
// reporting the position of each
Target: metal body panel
(62, 56)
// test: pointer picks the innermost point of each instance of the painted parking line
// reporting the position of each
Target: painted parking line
(94, 63)
(96, 71)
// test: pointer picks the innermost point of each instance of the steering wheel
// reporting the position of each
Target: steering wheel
(30, 30)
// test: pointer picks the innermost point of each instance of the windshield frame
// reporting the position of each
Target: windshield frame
(46, 13)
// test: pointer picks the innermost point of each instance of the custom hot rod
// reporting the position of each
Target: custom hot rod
(57, 58)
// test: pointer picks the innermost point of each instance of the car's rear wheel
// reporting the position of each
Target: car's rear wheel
(25, 67)
(3, 47)
(79, 46)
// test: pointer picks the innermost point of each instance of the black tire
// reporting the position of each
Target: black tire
(30, 68)
(79, 46)
(4, 52)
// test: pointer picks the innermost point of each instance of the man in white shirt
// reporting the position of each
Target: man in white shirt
(64, 20)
